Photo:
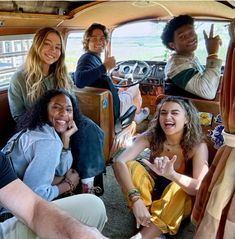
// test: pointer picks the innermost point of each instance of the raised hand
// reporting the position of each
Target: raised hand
(212, 42)
(162, 166)
(109, 63)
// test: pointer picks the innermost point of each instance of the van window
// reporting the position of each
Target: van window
(13, 50)
(138, 41)
(74, 49)
(142, 41)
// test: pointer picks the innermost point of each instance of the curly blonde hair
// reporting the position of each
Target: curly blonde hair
(34, 66)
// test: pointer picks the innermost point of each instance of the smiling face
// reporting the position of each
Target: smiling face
(51, 50)
(185, 40)
(60, 113)
(97, 41)
(172, 118)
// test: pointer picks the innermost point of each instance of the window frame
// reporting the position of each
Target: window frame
(13, 57)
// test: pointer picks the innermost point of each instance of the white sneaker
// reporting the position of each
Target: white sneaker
(160, 237)
(144, 113)
(137, 236)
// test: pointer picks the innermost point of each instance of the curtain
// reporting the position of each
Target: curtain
(214, 208)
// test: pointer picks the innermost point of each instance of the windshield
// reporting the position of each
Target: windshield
(142, 41)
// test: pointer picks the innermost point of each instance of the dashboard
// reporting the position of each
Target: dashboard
(153, 82)
(154, 77)
(157, 74)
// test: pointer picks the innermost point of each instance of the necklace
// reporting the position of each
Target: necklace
(171, 147)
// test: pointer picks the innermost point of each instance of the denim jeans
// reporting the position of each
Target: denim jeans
(87, 149)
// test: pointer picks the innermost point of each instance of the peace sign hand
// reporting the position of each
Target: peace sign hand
(212, 42)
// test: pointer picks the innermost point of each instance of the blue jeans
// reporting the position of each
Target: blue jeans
(87, 149)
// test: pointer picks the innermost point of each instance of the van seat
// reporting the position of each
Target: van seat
(7, 124)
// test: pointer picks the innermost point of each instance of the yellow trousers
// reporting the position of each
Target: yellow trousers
(173, 206)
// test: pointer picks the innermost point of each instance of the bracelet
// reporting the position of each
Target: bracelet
(212, 54)
(135, 198)
(132, 192)
(66, 150)
(133, 195)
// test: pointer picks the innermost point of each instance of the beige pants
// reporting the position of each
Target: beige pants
(128, 97)
(87, 208)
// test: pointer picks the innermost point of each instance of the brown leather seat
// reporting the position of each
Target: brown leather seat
(7, 124)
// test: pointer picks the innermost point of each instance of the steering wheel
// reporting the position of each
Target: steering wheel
(129, 73)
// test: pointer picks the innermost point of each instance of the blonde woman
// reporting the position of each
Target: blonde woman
(44, 69)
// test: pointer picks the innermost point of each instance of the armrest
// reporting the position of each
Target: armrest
(125, 120)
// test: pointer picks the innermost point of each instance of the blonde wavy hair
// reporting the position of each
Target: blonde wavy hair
(34, 67)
